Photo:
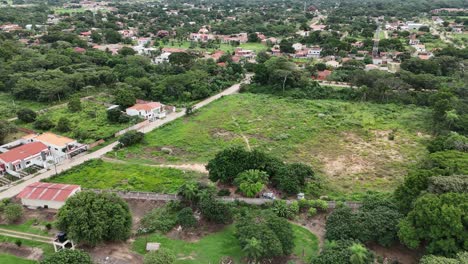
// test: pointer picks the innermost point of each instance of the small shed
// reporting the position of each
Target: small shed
(47, 195)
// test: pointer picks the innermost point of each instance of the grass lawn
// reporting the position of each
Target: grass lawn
(46, 248)
(29, 227)
(257, 47)
(348, 142)
(9, 106)
(10, 259)
(88, 125)
(211, 248)
(98, 174)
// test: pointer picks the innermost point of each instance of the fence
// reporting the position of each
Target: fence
(134, 127)
(173, 197)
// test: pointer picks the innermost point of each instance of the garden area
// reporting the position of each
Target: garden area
(98, 174)
(356, 146)
(87, 124)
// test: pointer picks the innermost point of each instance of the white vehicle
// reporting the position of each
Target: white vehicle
(269, 195)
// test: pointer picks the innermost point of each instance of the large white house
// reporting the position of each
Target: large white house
(147, 110)
(24, 156)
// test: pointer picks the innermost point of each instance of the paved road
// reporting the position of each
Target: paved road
(67, 164)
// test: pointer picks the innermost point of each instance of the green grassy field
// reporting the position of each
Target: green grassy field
(10, 259)
(88, 125)
(97, 174)
(348, 142)
(9, 106)
(257, 47)
(211, 248)
(28, 227)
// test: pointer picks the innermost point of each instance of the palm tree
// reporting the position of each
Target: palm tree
(359, 254)
(253, 249)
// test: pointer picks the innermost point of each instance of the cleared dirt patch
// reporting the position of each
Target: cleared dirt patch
(31, 253)
(223, 134)
(396, 254)
(115, 253)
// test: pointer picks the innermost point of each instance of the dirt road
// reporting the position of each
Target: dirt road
(67, 164)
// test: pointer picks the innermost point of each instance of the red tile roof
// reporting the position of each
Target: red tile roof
(146, 106)
(48, 191)
(23, 152)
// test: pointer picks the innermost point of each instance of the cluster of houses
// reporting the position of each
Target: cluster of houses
(37, 150)
(403, 26)
(204, 35)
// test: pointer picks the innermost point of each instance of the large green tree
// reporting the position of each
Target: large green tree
(91, 218)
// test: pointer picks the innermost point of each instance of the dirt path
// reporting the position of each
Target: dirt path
(198, 167)
(28, 236)
(241, 133)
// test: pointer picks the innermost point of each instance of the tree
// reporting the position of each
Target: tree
(438, 221)
(162, 256)
(215, 211)
(113, 115)
(180, 58)
(27, 115)
(251, 182)
(253, 249)
(68, 256)
(341, 224)
(13, 212)
(286, 47)
(185, 218)
(461, 258)
(126, 51)
(359, 254)
(91, 218)
(253, 37)
(124, 97)
(63, 125)
(74, 105)
(43, 123)
(339, 251)
(131, 137)
(5, 129)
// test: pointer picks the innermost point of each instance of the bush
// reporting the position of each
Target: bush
(251, 182)
(13, 212)
(159, 219)
(131, 138)
(68, 256)
(311, 212)
(224, 192)
(185, 218)
(18, 242)
(26, 115)
(74, 105)
(113, 115)
(48, 226)
(63, 125)
(162, 256)
(215, 211)
(43, 123)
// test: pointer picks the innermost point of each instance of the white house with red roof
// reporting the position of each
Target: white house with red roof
(24, 156)
(147, 110)
(47, 195)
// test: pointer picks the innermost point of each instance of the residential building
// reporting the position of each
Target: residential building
(60, 147)
(147, 110)
(47, 195)
(314, 52)
(24, 156)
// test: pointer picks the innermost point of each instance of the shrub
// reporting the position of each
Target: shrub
(159, 219)
(63, 125)
(224, 192)
(251, 182)
(215, 211)
(185, 218)
(131, 138)
(13, 212)
(68, 256)
(18, 242)
(26, 115)
(43, 123)
(74, 105)
(162, 256)
(113, 115)
(48, 226)
(311, 212)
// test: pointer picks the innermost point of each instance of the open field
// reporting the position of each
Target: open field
(9, 106)
(97, 174)
(357, 146)
(10, 259)
(87, 125)
(211, 248)
(46, 249)
(224, 47)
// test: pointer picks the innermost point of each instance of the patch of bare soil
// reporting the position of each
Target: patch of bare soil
(222, 134)
(195, 234)
(396, 253)
(115, 253)
(361, 156)
(31, 253)
(139, 208)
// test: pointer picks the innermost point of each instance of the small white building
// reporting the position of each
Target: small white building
(47, 195)
(314, 52)
(147, 110)
(61, 147)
